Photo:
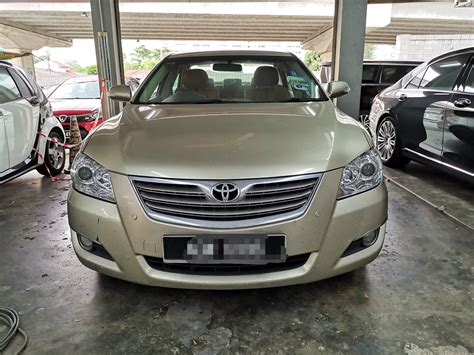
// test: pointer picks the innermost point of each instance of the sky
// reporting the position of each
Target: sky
(83, 50)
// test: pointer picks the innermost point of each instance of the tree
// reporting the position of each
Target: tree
(313, 60)
(75, 66)
(91, 69)
(144, 58)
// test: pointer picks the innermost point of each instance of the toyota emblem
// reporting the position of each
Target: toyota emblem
(225, 192)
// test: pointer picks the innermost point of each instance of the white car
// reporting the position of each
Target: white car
(26, 123)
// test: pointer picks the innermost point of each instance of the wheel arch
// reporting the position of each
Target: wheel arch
(50, 124)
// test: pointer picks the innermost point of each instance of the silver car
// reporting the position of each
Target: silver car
(228, 170)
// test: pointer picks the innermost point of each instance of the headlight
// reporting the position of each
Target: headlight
(363, 173)
(95, 114)
(91, 178)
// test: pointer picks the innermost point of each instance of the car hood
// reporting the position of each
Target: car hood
(227, 141)
(74, 106)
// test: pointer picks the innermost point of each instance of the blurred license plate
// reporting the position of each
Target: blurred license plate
(225, 249)
(68, 133)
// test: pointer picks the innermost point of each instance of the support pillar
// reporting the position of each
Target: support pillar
(348, 50)
(108, 48)
(27, 63)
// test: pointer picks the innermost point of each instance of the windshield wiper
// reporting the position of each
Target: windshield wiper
(210, 101)
(205, 101)
(297, 99)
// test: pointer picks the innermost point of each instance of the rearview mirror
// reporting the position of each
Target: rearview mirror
(227, 67)
(337, 89)
(120, 93)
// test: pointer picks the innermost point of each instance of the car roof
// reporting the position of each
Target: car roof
(243, 53)
(6, 63)
(451, 53)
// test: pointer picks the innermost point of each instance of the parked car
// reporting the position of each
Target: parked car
(428, 116)
(80, 97)
(376, 76)
(194, 186)
(48, 90)
(25, 112)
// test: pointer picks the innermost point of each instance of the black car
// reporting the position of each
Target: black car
(376, 76)
(428, 116)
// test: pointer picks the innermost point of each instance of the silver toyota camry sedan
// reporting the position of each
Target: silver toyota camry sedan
(228, 170)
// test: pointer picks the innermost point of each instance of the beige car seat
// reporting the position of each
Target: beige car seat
(265, 86)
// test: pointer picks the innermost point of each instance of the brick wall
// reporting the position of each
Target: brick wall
(424, 47)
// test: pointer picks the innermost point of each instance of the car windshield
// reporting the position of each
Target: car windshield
(230, 80)
(77, 90)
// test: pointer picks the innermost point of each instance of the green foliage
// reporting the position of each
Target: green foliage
(76, 67)
(91, 69)
(141, 58)
(313, 60)
(144, 58)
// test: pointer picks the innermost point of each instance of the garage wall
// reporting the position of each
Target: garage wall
(424, 47)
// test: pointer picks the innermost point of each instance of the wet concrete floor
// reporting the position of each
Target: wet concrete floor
(416, 297)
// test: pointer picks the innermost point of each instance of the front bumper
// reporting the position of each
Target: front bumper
(325, 231)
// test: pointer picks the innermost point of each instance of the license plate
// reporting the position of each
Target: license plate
(225, 249)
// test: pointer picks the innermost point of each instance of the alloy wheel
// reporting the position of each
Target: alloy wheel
(386, 138)
(364, 119)
(56, 154)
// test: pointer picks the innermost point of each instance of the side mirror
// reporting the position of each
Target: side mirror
(120, 93)
(337, 89)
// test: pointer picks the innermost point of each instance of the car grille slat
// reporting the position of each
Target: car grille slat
(219, 213)
(262, 200)
(292, 262)
(171, 189)
(202, 201)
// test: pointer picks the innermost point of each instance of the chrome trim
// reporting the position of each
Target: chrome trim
(440, 162)
(244, 185)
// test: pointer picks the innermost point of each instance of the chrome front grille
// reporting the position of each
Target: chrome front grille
(261, 201)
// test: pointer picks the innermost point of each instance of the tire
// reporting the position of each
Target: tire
(54, 157)
(388, 144)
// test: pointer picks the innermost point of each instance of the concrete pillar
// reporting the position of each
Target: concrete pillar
(26, 62)
(108, 48)
(348, 50)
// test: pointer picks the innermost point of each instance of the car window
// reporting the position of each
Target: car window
(369, 74)
(442, 75)
(415, 82)
(25, 90)
(392, 73)
(8, 89)
(469, 85)
(77, 90)
(230, 79)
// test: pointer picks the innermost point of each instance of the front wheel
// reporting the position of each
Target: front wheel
(54, 156)
(365, 120)
(388, 144)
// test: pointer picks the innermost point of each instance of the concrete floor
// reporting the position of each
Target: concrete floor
(417, 295)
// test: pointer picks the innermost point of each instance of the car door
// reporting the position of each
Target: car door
(458, 145)
(8, 93)
(21, 118)
(423, 101)
(4, 156)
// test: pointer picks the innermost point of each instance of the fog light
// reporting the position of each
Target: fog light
(370, 238)
(85, 243)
